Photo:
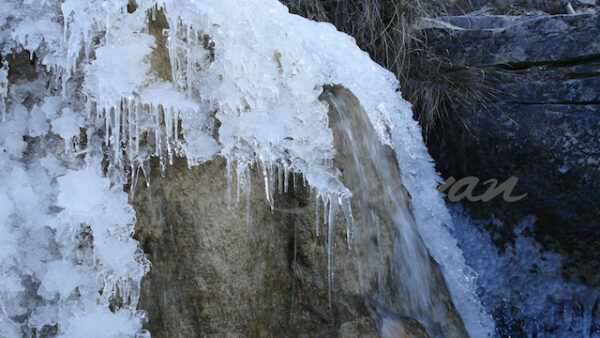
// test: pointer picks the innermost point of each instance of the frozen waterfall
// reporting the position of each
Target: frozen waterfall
(118, 83)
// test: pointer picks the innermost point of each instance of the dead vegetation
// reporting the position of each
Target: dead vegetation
(387, 30)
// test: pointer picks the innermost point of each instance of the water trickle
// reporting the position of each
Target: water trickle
(379, 196)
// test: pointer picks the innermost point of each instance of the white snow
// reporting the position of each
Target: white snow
(67, 126)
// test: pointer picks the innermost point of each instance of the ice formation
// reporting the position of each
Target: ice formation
(243, 79)
(519, 283)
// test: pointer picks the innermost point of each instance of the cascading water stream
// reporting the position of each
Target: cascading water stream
(371, 173)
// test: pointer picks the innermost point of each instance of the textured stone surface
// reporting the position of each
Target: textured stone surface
(213, 274)
(541, 123)
(518, 41)
(526, 7)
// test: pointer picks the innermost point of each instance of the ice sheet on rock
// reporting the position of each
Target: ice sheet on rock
(523, 283)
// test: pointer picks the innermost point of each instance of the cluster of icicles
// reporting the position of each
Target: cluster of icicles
(149, 117)
(156, 115)
(277, 179)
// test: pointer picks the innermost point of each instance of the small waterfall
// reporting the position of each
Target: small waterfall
(380, 199)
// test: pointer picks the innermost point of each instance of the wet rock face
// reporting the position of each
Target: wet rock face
(541, 124)
(215, 274)
(212, 273)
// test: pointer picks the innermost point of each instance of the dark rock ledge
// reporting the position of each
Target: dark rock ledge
(540, 122)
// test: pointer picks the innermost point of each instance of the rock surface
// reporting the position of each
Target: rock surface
(541, 123)
(215, 274)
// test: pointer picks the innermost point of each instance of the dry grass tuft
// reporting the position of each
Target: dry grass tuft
(386, 30)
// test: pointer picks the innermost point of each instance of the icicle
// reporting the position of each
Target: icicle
(330, 242)
(295, 181)
(171, 41)
(117, 133)
(152, 113)
(135, 173)
(163, 166)
(280, 177)
(145, 165)
(130, 136)
(176, 125)
(229, 175)
(3, 88)
(239, 182)
(248, 191)
(272, 180)
(317, 214)
(158, 138)
(190, 42)
(325, 202)
(286, 176)
(347, 210)
(168, 113)
(174, 119)
(106, 125)
(136, 109)
(266, 175)
(65, 26)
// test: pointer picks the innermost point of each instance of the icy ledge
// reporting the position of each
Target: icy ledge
(247, 71)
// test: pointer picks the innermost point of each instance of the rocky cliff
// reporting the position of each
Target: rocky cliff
(540, 122)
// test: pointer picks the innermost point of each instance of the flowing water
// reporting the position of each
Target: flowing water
(380, 199)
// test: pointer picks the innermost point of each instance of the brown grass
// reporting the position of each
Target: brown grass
(386, 30)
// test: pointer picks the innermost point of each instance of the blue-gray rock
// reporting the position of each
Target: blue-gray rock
(541, 123)
(504, 41)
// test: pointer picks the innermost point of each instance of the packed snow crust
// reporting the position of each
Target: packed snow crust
(245, 77)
